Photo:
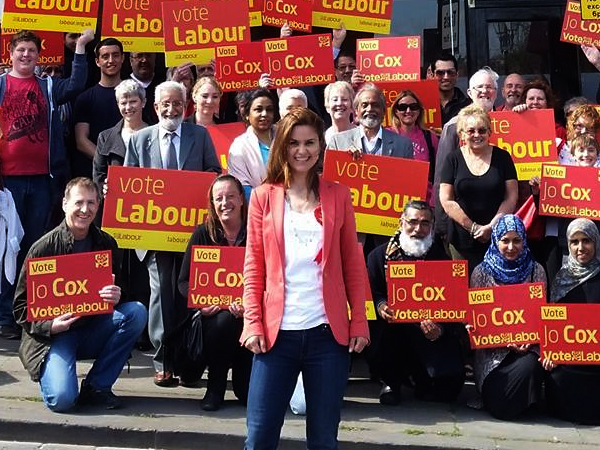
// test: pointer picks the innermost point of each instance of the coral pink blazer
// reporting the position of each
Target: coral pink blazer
(264, 267)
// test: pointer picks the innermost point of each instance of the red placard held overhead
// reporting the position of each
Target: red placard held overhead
(528, 137)
(427, 290)
(570, 334)
(239, 66)
(570, 191)
(216, 276)
(154, 209)
(58, 285)
(390, 59)
(296, 13)
(577, 31)
(299, 60)
(502, 315)
(378, 193)
(193, 29)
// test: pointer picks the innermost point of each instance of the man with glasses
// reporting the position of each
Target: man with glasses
(483, 87)
(96, 109)
(175, 145)
(426, 353)
(142, 71)
(452, 99)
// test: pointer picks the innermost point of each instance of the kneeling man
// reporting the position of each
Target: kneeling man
(426, 355)
(50, 348)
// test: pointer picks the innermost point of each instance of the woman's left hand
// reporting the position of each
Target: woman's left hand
(519, 348)
(210, 310)
(357, 344)
(431, 330)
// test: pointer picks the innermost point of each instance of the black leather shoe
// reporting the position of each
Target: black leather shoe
(211, 401)
(95, 397)
(389, 397)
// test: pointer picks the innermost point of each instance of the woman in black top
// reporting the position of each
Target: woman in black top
(572, 390)
(478, 186)
(225, 226)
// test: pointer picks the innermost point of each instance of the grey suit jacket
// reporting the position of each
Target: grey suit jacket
(392, 143)
(196, 150)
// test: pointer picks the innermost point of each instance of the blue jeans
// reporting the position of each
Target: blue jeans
(107, 338)
(324, 365)
(33, 201)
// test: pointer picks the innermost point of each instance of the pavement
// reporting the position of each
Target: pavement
(171, 418)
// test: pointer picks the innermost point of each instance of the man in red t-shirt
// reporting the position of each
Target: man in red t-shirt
(33, 163)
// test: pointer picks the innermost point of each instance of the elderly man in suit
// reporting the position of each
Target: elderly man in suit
(370, 137)
(171, 144)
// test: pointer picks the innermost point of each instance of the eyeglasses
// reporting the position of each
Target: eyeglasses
(413, 223)
(404, 106)
(450, 72)
(480, 131)
(484, 87)
(140, 56)
(174, 104)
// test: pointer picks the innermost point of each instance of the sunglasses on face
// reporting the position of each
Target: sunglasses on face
(405, 106)
(440, 72)
(480, 131)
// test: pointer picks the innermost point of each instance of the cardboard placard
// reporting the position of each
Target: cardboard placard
(569, 333)
(136, 23)
(154, 209)
(374, 16)
(296, 13)
(390, 59)
(193, 29)
(255, 12)
(508, 314)
(53, 47)
(65, 16)
(529, 137)
(299, 60)
(222, 136)
(378, 193)
(428, 93)
(577, 31)
(216, 276)
(58, 285)
(239, 66)
(570, 191)
(427, 290)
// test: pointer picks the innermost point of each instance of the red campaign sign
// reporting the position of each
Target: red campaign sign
(155, 209)
(216, 276)
(570, 191)
(58, 285)
(502, 315)
(255, 11)
(528, 137)
(193, 29)
(378, 193)
(389, 59)
(239, 66)
(427, 290)
(222, 137)
(578, 31)
(296, 13)
(136, 23)
(299, 60)
(53, 47)
(569, 334)
(426, 90)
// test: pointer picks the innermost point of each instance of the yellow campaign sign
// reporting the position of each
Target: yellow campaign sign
(373, 224)
(590, 9)
(199, 56)
(169, 241)
(140, 44)
(356, 23)
(47, 22)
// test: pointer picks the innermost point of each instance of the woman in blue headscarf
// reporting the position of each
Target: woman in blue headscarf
(508, 378)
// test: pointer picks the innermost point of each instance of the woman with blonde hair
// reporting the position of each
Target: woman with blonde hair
(207, 95)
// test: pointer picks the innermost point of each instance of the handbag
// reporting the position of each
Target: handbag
(184, 344)
(534, 223)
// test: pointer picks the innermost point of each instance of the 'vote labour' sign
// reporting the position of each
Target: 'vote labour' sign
(427, 290)
(569, 334)
(58, 285)
(570, 191)
(508, 314)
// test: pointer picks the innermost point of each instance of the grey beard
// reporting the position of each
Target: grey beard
(171, 124)
(370, 122)
(415, 247)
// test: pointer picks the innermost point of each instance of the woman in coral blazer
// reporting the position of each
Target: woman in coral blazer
(302, 270)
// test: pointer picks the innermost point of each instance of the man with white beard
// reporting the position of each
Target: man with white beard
(170, 144)
(426, 355)
(483, 89)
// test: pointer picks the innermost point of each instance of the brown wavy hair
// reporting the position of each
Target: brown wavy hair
(213, 224)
